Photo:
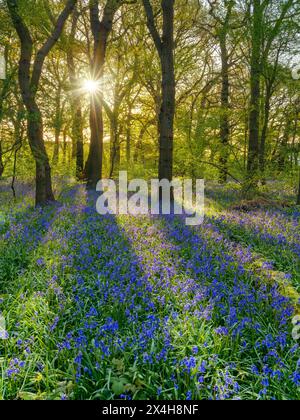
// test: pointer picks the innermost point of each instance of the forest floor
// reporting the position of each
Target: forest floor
(147, 307)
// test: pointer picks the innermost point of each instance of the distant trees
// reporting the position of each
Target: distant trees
(200, 88)
(262, 39)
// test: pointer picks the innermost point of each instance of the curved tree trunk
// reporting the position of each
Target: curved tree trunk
(29, 84)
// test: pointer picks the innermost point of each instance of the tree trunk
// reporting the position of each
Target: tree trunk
(115, 145)
(167, 113)
(57, 125)
(165, 47)
(101, 30)
(29, 84)
(139, 144)
(128, 139)
(264, 131)
(224, 120)
(77, 137)
(18, 135)
(254, 117)
(298, 197)
(282, 155)
(77, 118)
(56, 145)
(78, 133)
(1, 161)
(93, 168)
(44, 193)
(3, 93)
(65, 145)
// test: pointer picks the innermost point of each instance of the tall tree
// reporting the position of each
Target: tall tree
(270, 70)
(223, 26)
(101, 30)
(165, 47)
(76, 102)
(29, 80)
(255, 80)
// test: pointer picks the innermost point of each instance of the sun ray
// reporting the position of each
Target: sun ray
(91, 86)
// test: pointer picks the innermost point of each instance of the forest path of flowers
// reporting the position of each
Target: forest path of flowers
(147, 307)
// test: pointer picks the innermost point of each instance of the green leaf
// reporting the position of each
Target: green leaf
(118, 387)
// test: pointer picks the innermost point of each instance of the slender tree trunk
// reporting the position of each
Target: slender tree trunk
(78, 134)
(65, 145)
(224, 120)
(1, 161)
(128, 138)
(115, 146)
(282, 156)
(139, 144)
(2, 96)
(245, 154)
(77, 120)
(118, 150)
(18, 135)
(77, 137)
(298, 197)
(254, 117)
(56, 146)
(57, 126)
(264, 131)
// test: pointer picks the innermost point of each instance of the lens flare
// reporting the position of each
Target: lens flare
(91, 86)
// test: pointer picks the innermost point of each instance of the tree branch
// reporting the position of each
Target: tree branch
(49, 44)
(26, 45)
(151, 25)
(220, 168)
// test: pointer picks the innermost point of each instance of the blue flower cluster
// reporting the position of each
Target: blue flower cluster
(147, 307)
